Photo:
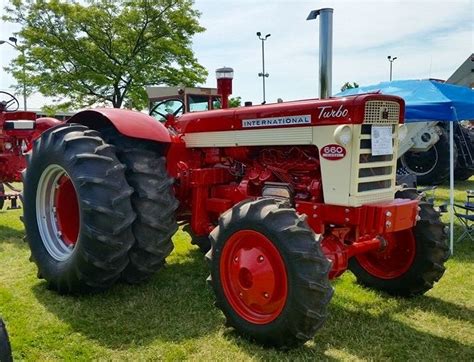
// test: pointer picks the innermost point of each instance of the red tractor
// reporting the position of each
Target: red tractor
(290, 196)
(17, 131)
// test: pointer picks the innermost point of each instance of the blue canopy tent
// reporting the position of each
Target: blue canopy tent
(428, 100)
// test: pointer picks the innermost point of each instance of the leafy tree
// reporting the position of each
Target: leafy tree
(235, 102)
(105, 52)
(349, 85)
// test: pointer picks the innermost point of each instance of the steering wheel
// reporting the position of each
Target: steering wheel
(175, 113)
(10, 105)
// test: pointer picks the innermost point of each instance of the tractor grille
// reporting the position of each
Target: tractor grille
(381, 112)
(375, 175)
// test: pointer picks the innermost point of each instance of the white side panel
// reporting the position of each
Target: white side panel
(336, 175)
(261, 137)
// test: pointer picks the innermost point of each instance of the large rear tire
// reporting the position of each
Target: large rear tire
(77, 210)
(153, 201)
(5, 348)
(413, 259)
(430, 167)
(269, 274)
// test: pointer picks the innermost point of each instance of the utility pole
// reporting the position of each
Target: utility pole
(391, 60)
(263, 74)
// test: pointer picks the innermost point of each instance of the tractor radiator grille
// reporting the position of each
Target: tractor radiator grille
(375, 175)
(381, 112)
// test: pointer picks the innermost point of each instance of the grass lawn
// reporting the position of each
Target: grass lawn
(173, 317)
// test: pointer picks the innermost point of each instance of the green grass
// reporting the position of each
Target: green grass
(173, 317)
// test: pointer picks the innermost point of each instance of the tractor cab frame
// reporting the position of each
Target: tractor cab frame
(176, 101)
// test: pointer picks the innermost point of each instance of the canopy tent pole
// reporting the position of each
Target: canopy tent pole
(451, 185)
(451, 179)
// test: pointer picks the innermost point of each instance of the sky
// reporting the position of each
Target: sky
(429, 38)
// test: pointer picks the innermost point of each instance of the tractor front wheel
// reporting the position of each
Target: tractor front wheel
(5, 348)
(413, 259)
(77, 210)
(269, 274)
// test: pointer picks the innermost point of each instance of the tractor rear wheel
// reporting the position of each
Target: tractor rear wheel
(269, 274)
(413, 259)
(430, 167)
(464, 171)
(5, 348)
(153, 201)
(77, 210)
(2, 198)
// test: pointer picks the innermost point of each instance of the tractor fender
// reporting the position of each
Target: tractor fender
(128, 123)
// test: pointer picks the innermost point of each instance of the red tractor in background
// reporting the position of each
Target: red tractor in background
(290, 196)
(18, 129)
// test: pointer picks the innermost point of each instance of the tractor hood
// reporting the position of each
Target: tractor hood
(312, 112)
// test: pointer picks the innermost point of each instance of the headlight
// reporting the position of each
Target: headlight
(402, 132)
(343, 135)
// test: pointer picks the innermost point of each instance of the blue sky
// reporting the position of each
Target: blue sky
(430, 39)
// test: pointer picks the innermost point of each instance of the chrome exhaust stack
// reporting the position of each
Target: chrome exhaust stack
(325, 50)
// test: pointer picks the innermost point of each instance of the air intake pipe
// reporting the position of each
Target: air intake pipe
(325, 50)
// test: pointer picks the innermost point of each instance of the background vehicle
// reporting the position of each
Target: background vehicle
(425, 152)
(290, 196)
(17, 131)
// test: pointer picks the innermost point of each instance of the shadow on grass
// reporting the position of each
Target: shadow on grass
(175, 305)
(12, 236)
(350, 333)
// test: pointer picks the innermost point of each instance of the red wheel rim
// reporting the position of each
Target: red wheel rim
(67, 210)
(253, 276)
(395, 259)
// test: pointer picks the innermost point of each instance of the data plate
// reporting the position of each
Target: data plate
(382, 140)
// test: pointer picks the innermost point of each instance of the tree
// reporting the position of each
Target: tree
(349, 85)
(106, 52)
(235, 102)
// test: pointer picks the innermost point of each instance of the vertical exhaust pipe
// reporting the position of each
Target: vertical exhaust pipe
(325, 50)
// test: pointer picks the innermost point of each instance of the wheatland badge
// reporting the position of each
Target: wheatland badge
(277, 121)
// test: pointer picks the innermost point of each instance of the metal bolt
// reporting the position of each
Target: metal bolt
(388, 214)
(346, 219)
(241, 295)
(236, 259)
(260, 259)
(388, 224)
(297, 205)
(60, 233)
(346, 211)
(315, 216)
(266, 295)
(418, 208)
(315, 207)
(418, 217)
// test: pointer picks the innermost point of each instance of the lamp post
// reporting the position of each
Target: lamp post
(391, 60)
(13, 43)
(263, 74)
